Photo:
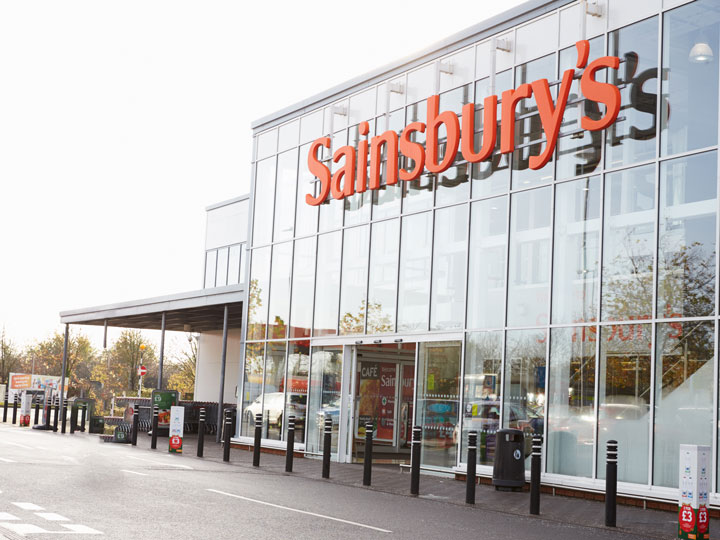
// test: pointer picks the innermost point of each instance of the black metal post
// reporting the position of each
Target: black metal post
(47, 410)
(327, 446)
(258, 436)
(37, 413)
(470, 476)
(535, 466)
(415, 460)
(83, 416)
(63, 414)
(153, 442)
(611, 484)
(201, 433)
(15, 404)
(290, 450)
(135, 424)
(55, 416)
(226, 441)
(5, 405)
(73, 420)
(367, 458)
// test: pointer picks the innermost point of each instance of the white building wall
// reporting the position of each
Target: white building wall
(207, 378)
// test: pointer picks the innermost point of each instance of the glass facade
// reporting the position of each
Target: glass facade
(577, 301)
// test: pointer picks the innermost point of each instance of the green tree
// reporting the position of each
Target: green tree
(182, 371)
(11, 358)
(48, 358)
(127, 353)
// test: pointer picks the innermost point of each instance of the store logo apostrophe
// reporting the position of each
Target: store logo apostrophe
(352, 176)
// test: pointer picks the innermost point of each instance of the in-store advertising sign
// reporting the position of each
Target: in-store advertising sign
(164, 399)
(177, 423)
(693, 518)
(26, 381)
(352, 176)
(25, 408)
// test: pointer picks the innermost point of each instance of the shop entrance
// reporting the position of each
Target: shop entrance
(384, 380)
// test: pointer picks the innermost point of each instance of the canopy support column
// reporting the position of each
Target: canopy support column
(64, 367)
(221, 399)
(162, 352)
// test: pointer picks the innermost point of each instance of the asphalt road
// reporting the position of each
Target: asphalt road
(79, 487)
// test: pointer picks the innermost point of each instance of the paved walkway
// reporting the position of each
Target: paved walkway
(393, 479)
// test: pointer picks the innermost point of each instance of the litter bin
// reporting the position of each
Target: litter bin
(509, 466)
(97, 424)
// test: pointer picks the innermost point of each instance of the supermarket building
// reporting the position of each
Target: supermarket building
(556, 273)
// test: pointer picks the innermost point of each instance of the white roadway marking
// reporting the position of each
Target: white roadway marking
(164, 464)
(6, 460)
(23, 446)
(4, 516)
(23, 528)
(134, 472)
(51, 516)
(80, 529)
(28, 506)
(299, 511)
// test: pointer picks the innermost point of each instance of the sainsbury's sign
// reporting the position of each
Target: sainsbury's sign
(352, 176)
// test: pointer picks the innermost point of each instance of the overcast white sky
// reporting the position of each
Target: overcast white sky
(121, 121)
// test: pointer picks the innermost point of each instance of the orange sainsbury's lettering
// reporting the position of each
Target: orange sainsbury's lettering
(353, 175)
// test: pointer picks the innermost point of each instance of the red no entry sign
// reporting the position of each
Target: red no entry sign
(142, 370)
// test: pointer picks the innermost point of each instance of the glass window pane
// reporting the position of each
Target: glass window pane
(234, 265)
(324, 400)
(453, 184)
(243, 262)
(628, 244)
(382, 291)
(624, 398)
(449, 267)
(414, 286)
(632, 137)
(481, 401)
(421, 83)
(362, 106)
(252, 387)
(357, 208)
(354, 280)
(279, 307)
(285, 195)
(210, 267)
(457, 69)
(529, 280)
(536, 38)
(307, 216)
(288, 137)
(311, 127)
(683, 394)
(264, 199)
(331, 214)
(273, 395)
(576, 262)
(686, 250)
(571, 401)
(327, 294)
(297, 386)
(259, 291)
(222, 268)
(486, 276)
(438, 401)
(303, 286)
(266, 143)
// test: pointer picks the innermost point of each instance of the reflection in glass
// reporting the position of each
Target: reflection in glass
(690, 82)
(252, 387)
(327, 293)
(449, 266)
(264, 199)
(524, 395)
(259, 291)
(571, 401)
(331, 214)
(415, 259)
(296, 386)
(354, 280)
(628, 244)
(631, 138)
(486, 275)
(683, 394)
(384, 254)
(624, 398)
(529, 280)
(418, 194)
(279, 307)
(453, 184)
(273, 395)
(306, 221)
(481, 397)
(287, 167)
(324, 399)
(576, 262)
(686, 249)
(303, 286)
(438, 399)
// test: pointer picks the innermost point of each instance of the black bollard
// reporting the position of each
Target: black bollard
(55, 415)
(367, 458)
(153, 442)
(135, 425)
(611, 484)
(415, 460)
(201, 433)
(226, 440)
(258, 436)
(73, 419)
(5, 405)
(15, 404)
(535, 466)
(63, 414)
(37, 413)
(83, 417)
(47, 408)
(290, 450)
(327, 447)
(470, 477)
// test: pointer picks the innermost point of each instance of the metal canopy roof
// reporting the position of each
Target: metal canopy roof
(203, 310)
